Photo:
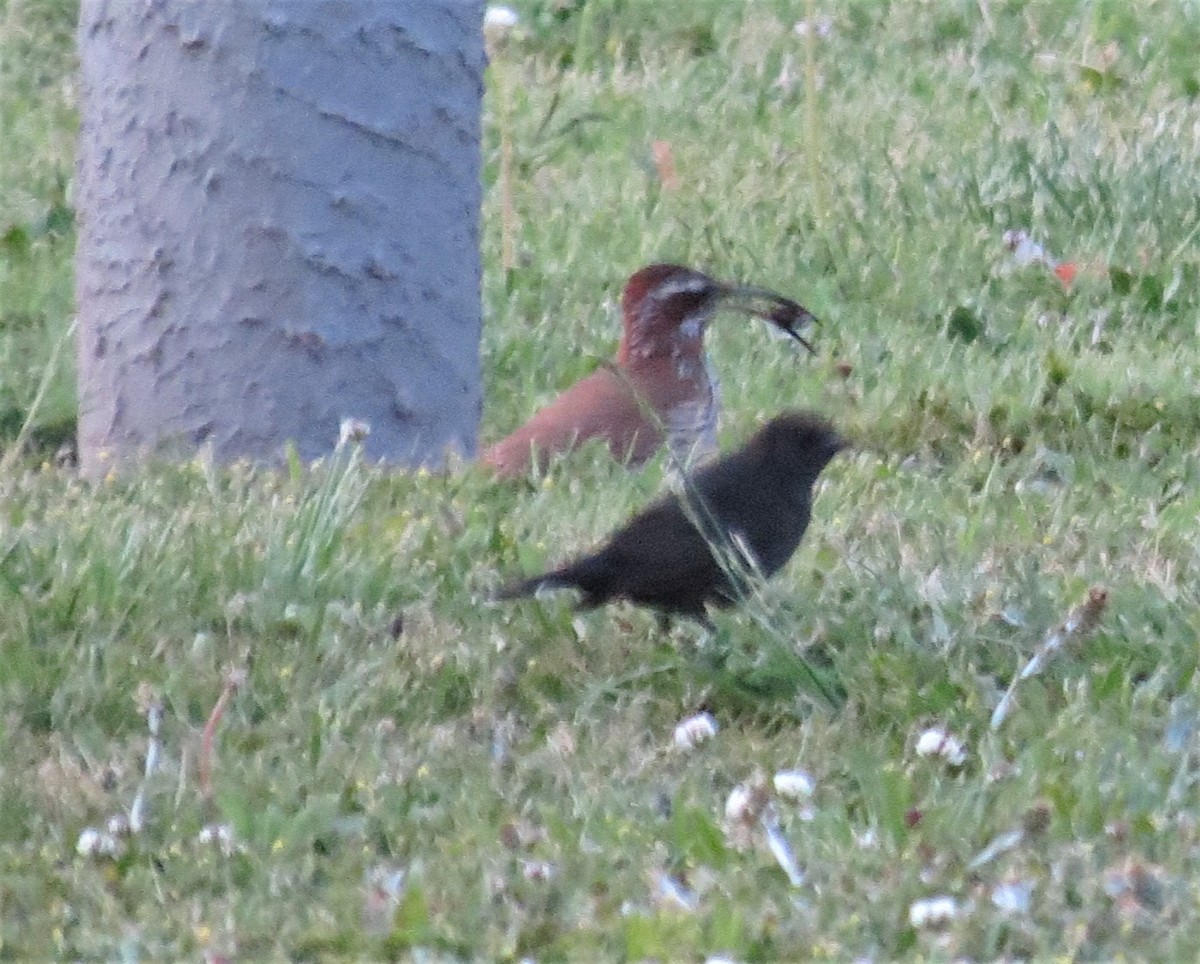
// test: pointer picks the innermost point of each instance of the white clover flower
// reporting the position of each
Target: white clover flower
(353, 430)
(936, 741)
(932, 912)
(739, 804)
(88, 842)
(217, 834)
(822, 27)
(1024, 249)
(794, 785)
(538, 870)
(693, 731)
(1013, 897)
(97, 843)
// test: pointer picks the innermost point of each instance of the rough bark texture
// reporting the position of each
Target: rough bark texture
(279, 216)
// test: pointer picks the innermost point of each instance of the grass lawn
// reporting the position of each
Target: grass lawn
(497, 782)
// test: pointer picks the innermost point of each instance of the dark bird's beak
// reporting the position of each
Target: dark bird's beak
(788, 316)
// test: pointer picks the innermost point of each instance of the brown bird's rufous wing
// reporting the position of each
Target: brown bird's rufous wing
(602, 405)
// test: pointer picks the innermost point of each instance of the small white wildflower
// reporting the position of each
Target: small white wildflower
(219, 834)
(118, 825)
(353, 430)
(1025, 250)
(693, 731)
(537, 870)
(821, 27)
(933, 912)
(97, 843)
(938, 742)
(88, 843)
(500, 18)
(794, 785)
(1013, 897)
(747, 809)
(739, 804)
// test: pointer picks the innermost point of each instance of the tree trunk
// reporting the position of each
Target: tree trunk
(278, 227)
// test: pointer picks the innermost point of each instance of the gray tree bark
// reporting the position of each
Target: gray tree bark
(278, 208)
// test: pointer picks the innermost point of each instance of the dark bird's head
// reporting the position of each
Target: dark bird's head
(797, 444)
(665, 309)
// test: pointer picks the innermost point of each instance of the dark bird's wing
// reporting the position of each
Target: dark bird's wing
(659, 559)
(743, 496)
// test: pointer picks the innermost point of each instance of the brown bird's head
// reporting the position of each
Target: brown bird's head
(666, 307)
(798, 444)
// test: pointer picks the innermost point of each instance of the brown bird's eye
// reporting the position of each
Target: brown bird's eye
(687, 303)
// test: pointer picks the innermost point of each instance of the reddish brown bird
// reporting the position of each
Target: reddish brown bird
(689, 551)
(661, 384)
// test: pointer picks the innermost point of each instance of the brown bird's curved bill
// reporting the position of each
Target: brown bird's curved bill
(788, 316)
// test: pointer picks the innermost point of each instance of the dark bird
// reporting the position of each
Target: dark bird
(686, 550)
(661, 382)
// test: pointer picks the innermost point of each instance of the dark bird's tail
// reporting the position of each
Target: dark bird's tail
(527, 587)
(591, 575)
